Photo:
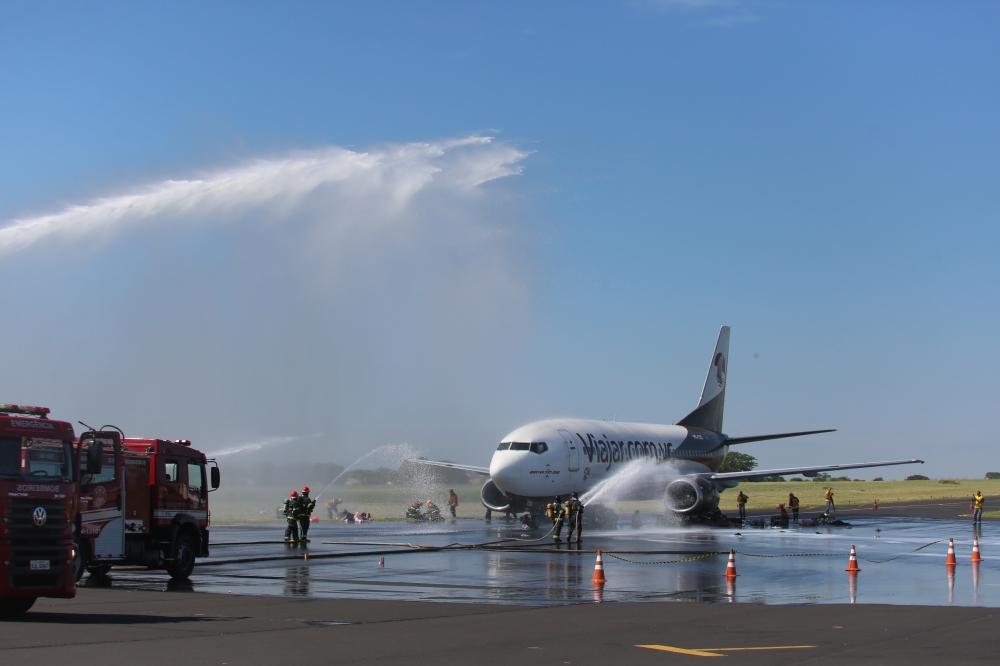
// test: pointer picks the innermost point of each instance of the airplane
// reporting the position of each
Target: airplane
(554, 457)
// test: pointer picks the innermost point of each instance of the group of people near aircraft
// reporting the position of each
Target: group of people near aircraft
(569, 512)
(298, 510)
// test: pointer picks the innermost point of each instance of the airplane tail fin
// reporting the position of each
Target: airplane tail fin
(708, 413)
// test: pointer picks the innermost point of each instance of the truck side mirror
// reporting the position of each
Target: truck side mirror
(95, 456)
(216, 477)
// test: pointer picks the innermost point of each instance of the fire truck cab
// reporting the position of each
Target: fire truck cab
(38, 506)
(147, 506)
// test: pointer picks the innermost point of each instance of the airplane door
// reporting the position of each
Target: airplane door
(573, 448)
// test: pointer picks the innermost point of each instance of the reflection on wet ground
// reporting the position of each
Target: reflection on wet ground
(902, 562)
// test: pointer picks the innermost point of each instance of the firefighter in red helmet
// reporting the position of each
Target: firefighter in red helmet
(305, 509)
(291, 515)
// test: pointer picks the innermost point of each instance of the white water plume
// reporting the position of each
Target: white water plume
(259, 444)
(389, 455)
(394, 174)
(639, 479)
(352, 292)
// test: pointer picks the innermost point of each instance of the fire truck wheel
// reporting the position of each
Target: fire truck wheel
(183, 557)
(98, 570)
(79, 561)
(15, 607)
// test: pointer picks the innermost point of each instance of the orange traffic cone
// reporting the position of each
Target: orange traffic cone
(731, 564)
(852, 561)
(950, 560)
(599, 579)
(976, 559)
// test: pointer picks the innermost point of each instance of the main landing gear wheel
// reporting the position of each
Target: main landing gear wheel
(182, 563)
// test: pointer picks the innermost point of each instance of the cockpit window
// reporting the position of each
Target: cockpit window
(503, 446)
(519, 446)
(539, 447)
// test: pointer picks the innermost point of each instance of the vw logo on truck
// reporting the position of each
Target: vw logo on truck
(39, 515)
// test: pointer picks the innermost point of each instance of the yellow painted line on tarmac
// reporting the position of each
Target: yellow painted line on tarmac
(748, 649)
(670, 648)
(714, 652)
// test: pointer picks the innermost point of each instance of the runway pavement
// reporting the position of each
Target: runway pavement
(902, 562)
(116, 627)
(523, 600)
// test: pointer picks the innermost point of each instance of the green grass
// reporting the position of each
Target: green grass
(240, 503)
(847, 494)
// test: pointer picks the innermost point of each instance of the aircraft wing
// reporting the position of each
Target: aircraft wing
(438, 463)
(781, 435)
(805, 471)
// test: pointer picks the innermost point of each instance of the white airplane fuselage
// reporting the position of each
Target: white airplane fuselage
(558, 456)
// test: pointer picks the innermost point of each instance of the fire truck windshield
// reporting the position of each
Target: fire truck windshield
(35, 459)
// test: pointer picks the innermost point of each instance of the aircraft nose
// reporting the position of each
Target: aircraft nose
(503, 471)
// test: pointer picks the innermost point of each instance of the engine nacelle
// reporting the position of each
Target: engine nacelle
(494, 498)
(692, 495)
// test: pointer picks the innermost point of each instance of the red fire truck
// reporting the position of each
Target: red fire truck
(147, 505)
(38, 503)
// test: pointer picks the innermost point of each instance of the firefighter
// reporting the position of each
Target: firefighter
(433, 513)
(977, 507)
(291, 510)
(793, 504)
(413, 511)
(831, 508)
(557, 513)
(782, 516)
(452, 503)
(741, 503)
(333, 507)
(574, 518)
(306, 506)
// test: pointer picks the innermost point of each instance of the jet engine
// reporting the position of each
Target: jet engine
(494, 498)
(692, 495)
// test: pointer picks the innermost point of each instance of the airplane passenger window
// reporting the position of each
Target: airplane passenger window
(519, 446)
(539, 447)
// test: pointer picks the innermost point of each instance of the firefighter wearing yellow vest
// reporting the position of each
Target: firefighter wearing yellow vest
(574, 518)
(977, 504)
(741, 503)
(830, 506)
(557, 513)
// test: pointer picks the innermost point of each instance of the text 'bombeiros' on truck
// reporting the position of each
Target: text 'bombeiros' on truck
(146, 505)
(38, 504)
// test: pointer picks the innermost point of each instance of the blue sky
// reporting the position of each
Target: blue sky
(820, 176)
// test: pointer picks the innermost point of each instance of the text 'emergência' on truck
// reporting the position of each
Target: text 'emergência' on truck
(146, 505)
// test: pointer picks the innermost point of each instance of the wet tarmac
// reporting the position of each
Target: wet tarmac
(902, 561)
